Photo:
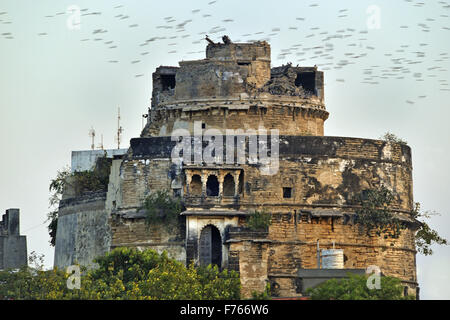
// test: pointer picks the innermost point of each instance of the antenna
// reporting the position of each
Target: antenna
(119, 131)
(92, 135)
(100, 146)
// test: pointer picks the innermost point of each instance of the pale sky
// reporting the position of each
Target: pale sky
(56, 82)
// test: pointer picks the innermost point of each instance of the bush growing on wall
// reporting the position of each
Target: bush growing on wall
(162, 208)
(375, 215)
(93, 180)
(259, 220)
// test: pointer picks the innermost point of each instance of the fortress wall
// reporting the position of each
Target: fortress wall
(83, 231)
(204, 78)
(286, 119)
(133, 232)
(139, 177)
(250, 259)
(332, 182)
(295, 244)
(291, 246)
(296, 147)
(321, 171)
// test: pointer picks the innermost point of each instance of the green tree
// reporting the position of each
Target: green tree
(425, 236)
(93, 180)
(124, 274)
(355, 288)
(375, 215)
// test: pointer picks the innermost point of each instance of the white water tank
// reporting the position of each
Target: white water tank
(333, 259)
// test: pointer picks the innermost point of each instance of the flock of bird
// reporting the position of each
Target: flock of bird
(323, 47)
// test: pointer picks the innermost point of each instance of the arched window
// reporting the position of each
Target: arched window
(195, 188)
(212, 186)
(228, 185)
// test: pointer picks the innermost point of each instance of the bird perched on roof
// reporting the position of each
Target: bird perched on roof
(226, 39)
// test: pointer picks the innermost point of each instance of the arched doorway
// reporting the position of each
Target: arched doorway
(212, 186)
(228, 186)
(195, 188)
(210, 248)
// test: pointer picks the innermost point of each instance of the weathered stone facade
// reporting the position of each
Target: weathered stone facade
(310, 196)
(13, 246)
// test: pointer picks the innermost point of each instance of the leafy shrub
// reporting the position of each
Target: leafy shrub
(125, 274)
(259, 220)
(375, 215)
(392, 138)
(265, 295)
(425, 236)
(93, 180)
(162, 208)
(355, 288)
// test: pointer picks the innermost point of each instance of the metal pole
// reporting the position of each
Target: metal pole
(318, 255)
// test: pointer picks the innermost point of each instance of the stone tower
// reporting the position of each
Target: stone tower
(308, 189)
(13, 246)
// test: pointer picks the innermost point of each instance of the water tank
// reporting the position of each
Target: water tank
(333, 259)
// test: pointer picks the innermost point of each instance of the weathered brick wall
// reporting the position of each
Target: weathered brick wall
(295, 246)
(332, 182)
(251, 260)
(139, 177)
(292, 244)
(134, 232)
(294, 116)
(83, 231)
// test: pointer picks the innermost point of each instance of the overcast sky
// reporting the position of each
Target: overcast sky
(386, 68)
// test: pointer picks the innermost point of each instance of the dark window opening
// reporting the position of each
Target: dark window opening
(228, 186)
(287, 192)
(212, 186)
(405, 291)
(168, 81)
(241, 182)
(253, 109)
(177, 192)
(365, 195)
(242, 63)
(203, 125)
(306, 80)
(195, 187)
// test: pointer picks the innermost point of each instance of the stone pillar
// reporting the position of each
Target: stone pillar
(220, 177)
(188, 183)
(236, 182)
(204, 176)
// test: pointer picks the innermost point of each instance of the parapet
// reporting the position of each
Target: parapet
(13, 246)
(231, 70)
(10, 223)
(241, 52)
